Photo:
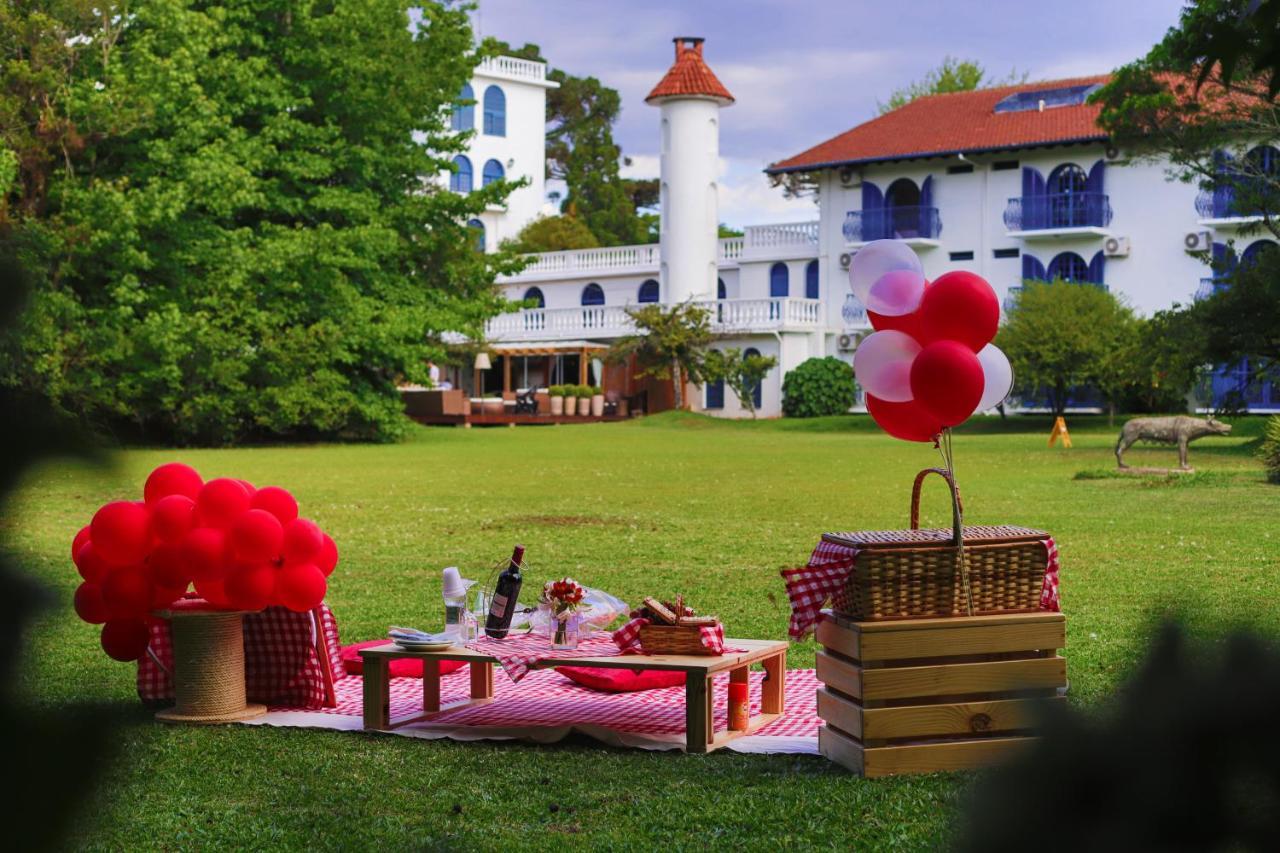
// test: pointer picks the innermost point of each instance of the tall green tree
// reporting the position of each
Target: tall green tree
(230, 211)
(670, 342)
(1059, 336)
(952, 75)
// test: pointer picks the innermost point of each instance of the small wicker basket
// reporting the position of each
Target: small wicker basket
(673, 640)
(915, 574)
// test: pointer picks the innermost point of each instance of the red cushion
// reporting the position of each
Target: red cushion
(400, 667)
(621, 680)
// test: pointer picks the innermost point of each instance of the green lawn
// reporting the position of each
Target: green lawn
(670, 503)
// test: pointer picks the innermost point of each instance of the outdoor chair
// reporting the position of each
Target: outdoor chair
(611, 399)
(527, 402)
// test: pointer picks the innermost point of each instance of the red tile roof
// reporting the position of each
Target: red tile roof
(958, 122)
(689, 76)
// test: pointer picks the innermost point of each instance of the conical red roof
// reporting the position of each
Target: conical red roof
(689, 76)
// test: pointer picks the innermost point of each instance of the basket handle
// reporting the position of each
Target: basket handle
(957, 508)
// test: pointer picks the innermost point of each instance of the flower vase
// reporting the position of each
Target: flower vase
(566, 633)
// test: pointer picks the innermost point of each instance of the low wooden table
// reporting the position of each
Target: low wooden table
(700, 734)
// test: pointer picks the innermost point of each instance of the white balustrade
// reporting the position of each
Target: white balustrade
(781, 234)
(730, 248)
(609, 321)
(514, 67)
(593, 260)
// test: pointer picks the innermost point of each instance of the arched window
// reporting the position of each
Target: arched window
(460, 180)
(1264, 159)
(648, 291)
(478, 226)
(902, 200)
(779, 280)
(535, 293)
(493, 171)
(1068, 266)
(592, 294)
(811, 280)
(757, 393)
(721, 292)
(1255, 250)
(1067, 178)
(495, 112)
(714, 394)
(464, 115)
(1067, 207)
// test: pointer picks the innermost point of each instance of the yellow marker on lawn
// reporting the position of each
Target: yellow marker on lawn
(1060, 431)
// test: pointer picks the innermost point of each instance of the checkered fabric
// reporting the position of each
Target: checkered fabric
(547, 698)
(285, 659)
(628, 637)
(517, 654)
(811, 586)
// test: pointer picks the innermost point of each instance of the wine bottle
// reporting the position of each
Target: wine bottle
(503, 606)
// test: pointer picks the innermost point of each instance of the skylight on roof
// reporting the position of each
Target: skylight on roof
(1063, 96)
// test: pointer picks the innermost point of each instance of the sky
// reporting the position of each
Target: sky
(803, 71)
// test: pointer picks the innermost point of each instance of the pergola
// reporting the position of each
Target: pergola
(550, 350)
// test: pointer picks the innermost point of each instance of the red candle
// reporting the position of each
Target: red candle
(739, 712)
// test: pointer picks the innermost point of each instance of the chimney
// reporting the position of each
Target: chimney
(684, 43)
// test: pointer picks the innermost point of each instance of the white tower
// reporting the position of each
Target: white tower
(690, 98)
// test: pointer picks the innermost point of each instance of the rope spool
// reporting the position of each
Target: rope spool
(208, 668)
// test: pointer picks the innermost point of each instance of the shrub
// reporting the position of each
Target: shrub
(1270, 450)
(555, 391)
(582, 390)
(819, 386)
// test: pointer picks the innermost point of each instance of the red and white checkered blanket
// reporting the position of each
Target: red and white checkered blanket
(811, 586)
(628, 637)
(286, 660)
(517, 654)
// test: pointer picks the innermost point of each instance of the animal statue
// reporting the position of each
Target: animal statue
(1180, 430)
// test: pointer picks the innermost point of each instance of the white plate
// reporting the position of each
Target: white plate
(424, 646)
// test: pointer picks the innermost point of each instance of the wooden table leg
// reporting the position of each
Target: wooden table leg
(481, 679)
(697, 712)
(430, 685)
(773, 695)
(377, 694)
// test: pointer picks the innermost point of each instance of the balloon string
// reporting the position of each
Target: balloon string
(946, 448)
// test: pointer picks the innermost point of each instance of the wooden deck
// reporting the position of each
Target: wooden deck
(514, 420)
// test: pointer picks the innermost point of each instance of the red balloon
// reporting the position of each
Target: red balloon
(125, 639)
(173, 478)
(89, 604)
(959, 306)
(947, 380)
(276, 501)
(127, 592)
(221, 501)
(90, 563)
(303, 541)
(168, 567)
(162, 597)
(172, 517)
(121, 532)
(214, 592)
(251, 586)
(249, 488)
(908, 421)
(79, 540)
(300, 587)
(909, 323)
(205, 553)
(328, 559)
(256, 536)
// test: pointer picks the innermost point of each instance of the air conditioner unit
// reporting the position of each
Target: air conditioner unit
(1197, 241)
(1116, 247)
(845, 260)
(1111, 152)
(849, 177)
(847, 342)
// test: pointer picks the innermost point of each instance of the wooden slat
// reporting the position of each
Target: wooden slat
(841, 749)
(840, 712)
(840, 674)
(431, 685)
(481, 679)
(773, 693)
(935, 757)
(955, 718)
(964, 640)
(961, 678)
(887, 625)
(697, 722)
(838, 636)
(377, 694)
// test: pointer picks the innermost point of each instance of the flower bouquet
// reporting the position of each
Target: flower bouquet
(563, 598)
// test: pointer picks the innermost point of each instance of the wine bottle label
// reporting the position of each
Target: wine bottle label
(499, 606)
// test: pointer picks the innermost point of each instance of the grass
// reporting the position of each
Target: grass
(668, 503)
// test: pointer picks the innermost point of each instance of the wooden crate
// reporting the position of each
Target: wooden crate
(923, 695)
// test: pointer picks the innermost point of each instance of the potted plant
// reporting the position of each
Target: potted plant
(597, 401)
(556, 396)
(571, 406)
(584, 400)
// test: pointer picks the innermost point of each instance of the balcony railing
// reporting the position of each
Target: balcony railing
(1224, 202)
(512, 66)
(645, 258)
(892, 223)
(1058, 210)
(606, 321)
(852, 312)
(780, 235)
(1208, 287)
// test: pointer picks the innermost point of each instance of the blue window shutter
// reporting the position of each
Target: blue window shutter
(1032, 268)
(1032, 181)
(757, 394)
(873, 219)
(715, 395)
(811, 280)
(1222, 190)
(1097, 266)
(872, 197)
(926, 208)
(1035, 207)
(926, 192)
(779, 280)
(1093, 184)
(1224, 260)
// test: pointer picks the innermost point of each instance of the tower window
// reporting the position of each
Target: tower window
(460, 180)
(493, 171)
(464, 115)
(495, 112)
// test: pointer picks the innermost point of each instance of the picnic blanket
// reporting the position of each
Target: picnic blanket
(518, 654)
(812, 585)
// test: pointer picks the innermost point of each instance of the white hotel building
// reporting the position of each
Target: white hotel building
(1011, 183)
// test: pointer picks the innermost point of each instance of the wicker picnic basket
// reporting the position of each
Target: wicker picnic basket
(966, 570)
(673, 640)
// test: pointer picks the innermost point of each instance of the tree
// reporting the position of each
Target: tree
(669, 343)
(225, 214)
(554, 234)
(953, 75)
(743, 374)
(1059, 336)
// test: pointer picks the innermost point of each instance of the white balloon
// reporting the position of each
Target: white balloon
(882, 363)
(896, 293)
(998, 374)
(874, 260)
